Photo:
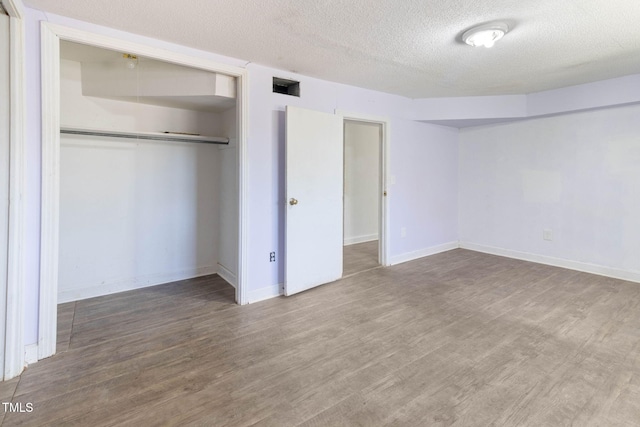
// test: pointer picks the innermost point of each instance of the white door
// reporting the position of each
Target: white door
(4, 176)
(314, 179)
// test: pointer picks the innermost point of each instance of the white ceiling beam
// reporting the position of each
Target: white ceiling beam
(478, 110)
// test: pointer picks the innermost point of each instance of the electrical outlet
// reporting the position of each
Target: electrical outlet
(403, 232)
(272, 257)
(547, 234)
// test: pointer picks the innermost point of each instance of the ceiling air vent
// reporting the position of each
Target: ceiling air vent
(286, 87)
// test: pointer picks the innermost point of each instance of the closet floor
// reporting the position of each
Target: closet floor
(113, 317)
(459, 338)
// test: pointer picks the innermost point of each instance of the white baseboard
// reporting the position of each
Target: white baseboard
(30, 353)
(410, 256)
(264, 293)
(227, 275)
(360, 239)
(130, 284)
(601, 270)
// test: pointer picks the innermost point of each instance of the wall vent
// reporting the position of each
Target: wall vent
(286, 87)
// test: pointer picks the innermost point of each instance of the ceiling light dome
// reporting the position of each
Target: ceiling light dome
(485, 35)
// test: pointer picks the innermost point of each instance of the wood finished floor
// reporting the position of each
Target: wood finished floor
(459, 338)
(360, 257)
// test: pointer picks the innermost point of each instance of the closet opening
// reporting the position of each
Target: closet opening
(148, 194)
(362, 196)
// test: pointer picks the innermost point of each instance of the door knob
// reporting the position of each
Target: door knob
(293, 201)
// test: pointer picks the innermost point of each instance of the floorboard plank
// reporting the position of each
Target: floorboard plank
(458, 338)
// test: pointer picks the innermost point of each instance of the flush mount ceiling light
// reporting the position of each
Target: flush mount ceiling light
(485, 35)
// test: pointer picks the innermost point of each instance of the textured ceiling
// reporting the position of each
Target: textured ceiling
(408, 47)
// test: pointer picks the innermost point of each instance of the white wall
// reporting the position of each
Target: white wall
(361, 181)
(575, 174)
(423, 158)
(424, 198)
(133, 213)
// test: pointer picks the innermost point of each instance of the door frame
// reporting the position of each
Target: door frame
(13, 345)
(383, 217)
(51, 35)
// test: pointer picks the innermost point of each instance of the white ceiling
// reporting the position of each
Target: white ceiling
(408, 47)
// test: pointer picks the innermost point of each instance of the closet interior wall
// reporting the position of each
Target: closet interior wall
(136, 213)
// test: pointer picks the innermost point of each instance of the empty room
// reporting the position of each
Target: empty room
(287, 213)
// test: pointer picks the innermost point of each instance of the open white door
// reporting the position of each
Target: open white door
(314, 179)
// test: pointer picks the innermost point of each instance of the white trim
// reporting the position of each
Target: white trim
(14, 320)
(360, 239)
(410, 256)
(14, 8)
(130, 284)
(227, 275)
(601, 270)
(30, 353)
(384, 242)
(242, 99)
(50, 193)
(265, 293)
(51, 34)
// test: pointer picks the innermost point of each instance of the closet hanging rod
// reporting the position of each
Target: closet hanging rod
(154, 136)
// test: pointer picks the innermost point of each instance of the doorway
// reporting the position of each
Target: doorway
(362, 194)
(52, 36)
(314, 188)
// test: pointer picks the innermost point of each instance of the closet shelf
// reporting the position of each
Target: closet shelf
(154, 136)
